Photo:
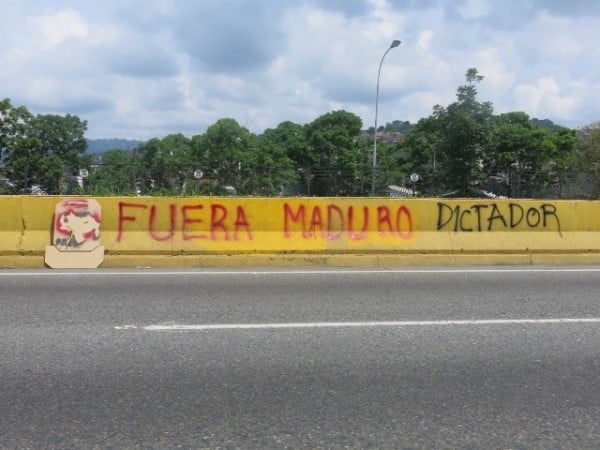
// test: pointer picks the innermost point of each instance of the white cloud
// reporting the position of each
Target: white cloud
(475, 9)
(58, 27)
(424, 41)
(545, 97)
(146, 69)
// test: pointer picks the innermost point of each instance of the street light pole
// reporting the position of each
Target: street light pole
(395, 43)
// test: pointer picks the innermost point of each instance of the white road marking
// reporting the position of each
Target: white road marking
(333, 271)
(419, 323)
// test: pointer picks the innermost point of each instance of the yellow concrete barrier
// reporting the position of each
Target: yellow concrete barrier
(329, 231)
(25, 224)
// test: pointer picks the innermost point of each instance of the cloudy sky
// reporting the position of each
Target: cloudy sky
(139, 69)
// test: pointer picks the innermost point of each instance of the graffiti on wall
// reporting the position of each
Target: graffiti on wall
(192, 221)
(76, 235)
(310, 221)
(77, 225)
(232, 222)
(496, 217)
(334, 222)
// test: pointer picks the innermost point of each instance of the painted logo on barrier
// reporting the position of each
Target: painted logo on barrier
(77, 225)
(76, 236)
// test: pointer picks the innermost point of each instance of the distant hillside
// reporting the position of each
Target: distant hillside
(103, 145)
(545, 123)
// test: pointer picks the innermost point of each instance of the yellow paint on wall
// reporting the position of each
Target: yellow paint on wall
(196, 225)
(25, 223)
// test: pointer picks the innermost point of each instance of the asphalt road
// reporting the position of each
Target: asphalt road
(475, 358)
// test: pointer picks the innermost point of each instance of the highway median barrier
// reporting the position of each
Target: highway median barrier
(236, 231)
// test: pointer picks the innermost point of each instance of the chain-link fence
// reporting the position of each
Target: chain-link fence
(124, 179)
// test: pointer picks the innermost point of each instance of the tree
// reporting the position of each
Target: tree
(227, 154)
(275, 166)
(448, 148)
(115, 176)
(292, 137)
(333, 154)
(14, 124)
(39, 150)
(509, 156)
(166, 164)
(62, 141)
(419, 153)
(464, 128)
(545, 123)
(563, 157)
(529, 157)
(398, 126)
(589, 156)
(16, 144)
(62, 136)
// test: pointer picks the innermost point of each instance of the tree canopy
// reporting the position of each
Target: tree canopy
(39, 150)
(461, 149)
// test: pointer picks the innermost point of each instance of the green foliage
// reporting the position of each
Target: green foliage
(43, 150)
(419, 153)
(465, 127)
(391, 167)
(116, 175)
(450, 145)
(588, 161)
(532, 157)
(16, 143)
(51, 169)
(275, 166)
(333, 154)
(20, 162)
(166, 164)
(14, 125)
(563, 157)
(227, 153)
(514, 151)
(463, 147)
(398, 126)
(459, 148)
(545, 123)
(61, 136)
(292, 138)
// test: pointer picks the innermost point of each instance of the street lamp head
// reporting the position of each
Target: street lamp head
(395, 43)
